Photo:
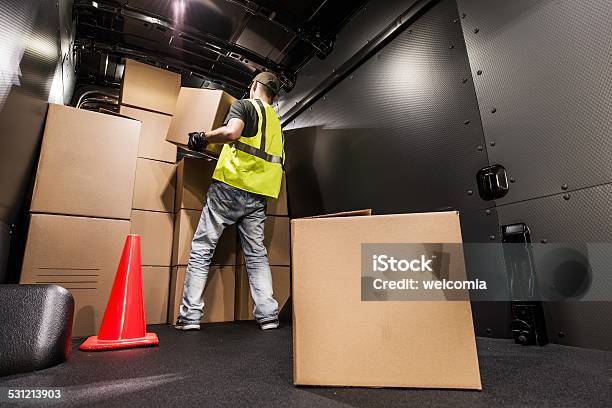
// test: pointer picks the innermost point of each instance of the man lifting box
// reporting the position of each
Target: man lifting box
(249, 171)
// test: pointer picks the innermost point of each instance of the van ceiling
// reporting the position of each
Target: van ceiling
(213, 43)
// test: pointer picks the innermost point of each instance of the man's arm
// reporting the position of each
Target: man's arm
(226, 134)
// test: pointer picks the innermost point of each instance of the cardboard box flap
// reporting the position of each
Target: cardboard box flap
(113, 113)
(353, 213)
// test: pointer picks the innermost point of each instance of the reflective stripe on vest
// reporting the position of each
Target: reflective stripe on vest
(261, 151)
(257, 152)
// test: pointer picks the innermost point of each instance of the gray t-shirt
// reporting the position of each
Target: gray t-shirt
(245, 111)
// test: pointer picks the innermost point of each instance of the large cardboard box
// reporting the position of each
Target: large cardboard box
(340, 340)
(281, 285)
(87, 164)
(155, 290)
(185, 224)
(154, 127)
(80, 254)
(154, 186)
(198, 110)
(148, 87)
(193, 177)
(156, 230)
(218, 295)
(279, 206)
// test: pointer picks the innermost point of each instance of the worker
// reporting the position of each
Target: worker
(247, 174)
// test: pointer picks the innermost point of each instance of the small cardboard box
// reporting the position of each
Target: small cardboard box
(198, 110)
(80, 254)
(155, 186)
(156, 230)
(281, 285)
(155, 290)
(193, 177)
(340, 340)
(148, 87)
(185, 224)
(87, 164)
(218, 295)
(154, 127)
(279, 206)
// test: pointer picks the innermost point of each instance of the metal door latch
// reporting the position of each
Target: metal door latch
(492, 182)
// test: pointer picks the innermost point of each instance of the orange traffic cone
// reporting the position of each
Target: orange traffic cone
(123, 325)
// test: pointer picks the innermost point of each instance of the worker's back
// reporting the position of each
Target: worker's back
(254, 162)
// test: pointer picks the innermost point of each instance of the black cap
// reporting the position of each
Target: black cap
(269, 80)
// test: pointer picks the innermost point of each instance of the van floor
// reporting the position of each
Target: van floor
(238, 365)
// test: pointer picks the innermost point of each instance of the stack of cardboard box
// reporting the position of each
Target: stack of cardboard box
(278, 245)
(194, 176)
(81, 207)
(101, 177)
(149, 95)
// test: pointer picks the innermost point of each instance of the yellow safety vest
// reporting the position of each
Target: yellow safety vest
(255, 164)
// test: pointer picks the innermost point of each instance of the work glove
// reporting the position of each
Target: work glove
(197, 142)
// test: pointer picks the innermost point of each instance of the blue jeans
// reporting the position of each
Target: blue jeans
(225, 206)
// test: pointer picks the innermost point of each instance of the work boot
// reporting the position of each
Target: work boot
(180, 325)
(269, 325)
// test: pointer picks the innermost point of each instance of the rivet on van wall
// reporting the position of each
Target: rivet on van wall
(567, 196)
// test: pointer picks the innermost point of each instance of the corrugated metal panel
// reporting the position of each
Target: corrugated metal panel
(30, 75)
(546, 71)
(545, 95)
(401, 134)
